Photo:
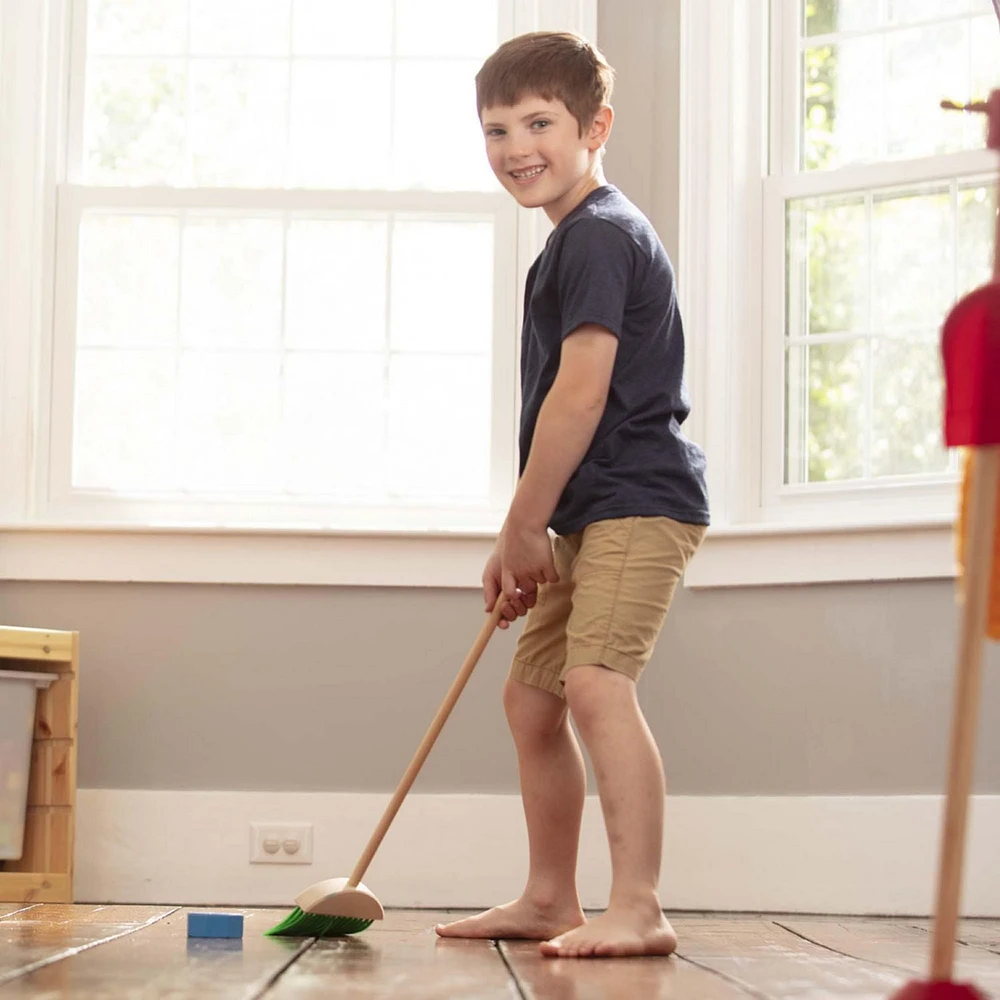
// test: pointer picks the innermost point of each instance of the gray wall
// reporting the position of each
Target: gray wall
(832, 689)
(805, 690)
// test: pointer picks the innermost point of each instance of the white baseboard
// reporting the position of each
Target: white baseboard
(870, 854)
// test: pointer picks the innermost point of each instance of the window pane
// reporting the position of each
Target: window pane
(335, 292)
(826, 16)
(825, 400)
(442, 286)
(976, 215)
(229, 420)
(902, 11)
(446, 27)
(240, 27)
(878, 97)
(452, 129)
(841, 125)
(231, 283)
(913, 281)
(439, 427)
(123, 425)
(295, 93)
(134, 124)
(127, 290)
(335, 424)
(342, 28)
(337, 142)
(906, 410)
(137, 27)
(827, 266)
(922, 65)
(238, 107)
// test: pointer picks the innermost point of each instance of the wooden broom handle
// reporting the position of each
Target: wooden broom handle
(985, 472)
(428, 742)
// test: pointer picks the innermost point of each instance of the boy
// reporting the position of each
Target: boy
(604, 464)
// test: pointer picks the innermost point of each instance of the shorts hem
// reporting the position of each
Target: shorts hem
(539, 677)
(603, 656)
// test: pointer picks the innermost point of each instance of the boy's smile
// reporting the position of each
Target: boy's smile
(537, 152)
(526, 175)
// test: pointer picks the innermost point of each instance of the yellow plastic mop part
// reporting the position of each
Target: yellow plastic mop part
(993, 609)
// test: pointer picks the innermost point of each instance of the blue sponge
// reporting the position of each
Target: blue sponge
(215, 925)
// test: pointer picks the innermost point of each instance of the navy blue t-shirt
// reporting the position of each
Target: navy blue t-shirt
(605, 264)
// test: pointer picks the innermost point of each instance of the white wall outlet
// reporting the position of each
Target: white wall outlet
(281, 843)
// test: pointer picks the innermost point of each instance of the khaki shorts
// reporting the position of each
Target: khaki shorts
(616, 581)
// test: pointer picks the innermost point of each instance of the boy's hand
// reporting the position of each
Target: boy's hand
(520, 563)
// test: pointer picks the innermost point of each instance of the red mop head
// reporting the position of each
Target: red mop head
(939, 991)
(970, 346)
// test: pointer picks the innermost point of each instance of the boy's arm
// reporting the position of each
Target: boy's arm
(563, 432)
(566, 424)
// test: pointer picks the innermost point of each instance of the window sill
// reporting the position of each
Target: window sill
(264, 556)
(748, 555)
(755, 555)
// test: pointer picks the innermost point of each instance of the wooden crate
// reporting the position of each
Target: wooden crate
(44, 873)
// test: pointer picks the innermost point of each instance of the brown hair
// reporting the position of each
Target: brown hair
(555, 65)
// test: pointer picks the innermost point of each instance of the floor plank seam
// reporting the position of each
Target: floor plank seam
(843, 954)
(958, 940)
(42, 963)
(732, 980)
(261, 989)
(515, 978)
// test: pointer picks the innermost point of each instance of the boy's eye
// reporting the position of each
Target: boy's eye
(494, 131)
(541, 121)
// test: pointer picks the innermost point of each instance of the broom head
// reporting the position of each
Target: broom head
(329, 909)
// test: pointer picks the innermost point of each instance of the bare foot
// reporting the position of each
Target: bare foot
(616, 933)
(520, 919)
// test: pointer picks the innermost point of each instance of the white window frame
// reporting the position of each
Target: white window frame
(47, 535)
(731, 280)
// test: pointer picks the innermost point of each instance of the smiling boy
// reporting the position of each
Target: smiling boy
(605, 465)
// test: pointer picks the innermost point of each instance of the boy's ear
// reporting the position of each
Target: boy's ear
(600, 127)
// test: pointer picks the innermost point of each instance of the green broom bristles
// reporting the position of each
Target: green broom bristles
(299, 924)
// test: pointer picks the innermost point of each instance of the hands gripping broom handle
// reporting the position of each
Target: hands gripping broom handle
(428, 742)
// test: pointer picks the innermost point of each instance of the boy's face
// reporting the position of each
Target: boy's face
(537, 153)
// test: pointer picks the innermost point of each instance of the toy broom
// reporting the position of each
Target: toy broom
(970, 347)
(339, 906)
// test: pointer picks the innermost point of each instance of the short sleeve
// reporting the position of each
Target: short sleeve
(596, 265)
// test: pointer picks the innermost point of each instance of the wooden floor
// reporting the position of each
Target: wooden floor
(99, 952)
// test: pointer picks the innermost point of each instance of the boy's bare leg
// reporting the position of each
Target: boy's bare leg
(553, 785)
(630, 782)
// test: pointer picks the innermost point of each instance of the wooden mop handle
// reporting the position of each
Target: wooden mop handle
(982, 505)
(428, 742)
(965, 713)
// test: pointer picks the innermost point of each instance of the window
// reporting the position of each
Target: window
(260, 275)
(858, 212)
(279, 254)
(888, 206)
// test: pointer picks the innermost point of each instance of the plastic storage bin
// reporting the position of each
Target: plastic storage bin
(18, 692)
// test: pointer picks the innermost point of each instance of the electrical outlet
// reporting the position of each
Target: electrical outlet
(281, 843)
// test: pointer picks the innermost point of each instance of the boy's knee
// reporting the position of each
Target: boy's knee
(531, 711)
(590, 689)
